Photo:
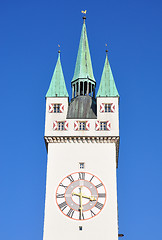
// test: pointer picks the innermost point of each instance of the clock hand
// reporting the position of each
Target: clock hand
(92, 198)
(81, 196)
(81, 207)
(76, 194)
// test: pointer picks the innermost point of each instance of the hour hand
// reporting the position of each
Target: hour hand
(91, 198)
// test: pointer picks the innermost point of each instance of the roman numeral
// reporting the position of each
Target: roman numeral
(70, 178)
(81, 216)
(62, 206)
(61, 185)
(81, 175)
(99, 185)
(91, 178)
(60, 195)
(92, 213)
(70, 213)
(99, 205)
(101, 195)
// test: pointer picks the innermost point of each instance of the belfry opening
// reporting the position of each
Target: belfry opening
(83, 88)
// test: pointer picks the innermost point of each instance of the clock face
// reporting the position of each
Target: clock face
(81, 196)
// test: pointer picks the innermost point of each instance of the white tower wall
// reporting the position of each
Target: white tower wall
(98, 150)
(63, 159)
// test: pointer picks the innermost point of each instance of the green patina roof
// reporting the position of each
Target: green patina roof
(83, 67)
(57, 86)
(107, 86)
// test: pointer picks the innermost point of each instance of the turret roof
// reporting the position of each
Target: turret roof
(57, 86)
(107, 86)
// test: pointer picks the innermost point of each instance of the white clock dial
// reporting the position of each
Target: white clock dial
(81, 195)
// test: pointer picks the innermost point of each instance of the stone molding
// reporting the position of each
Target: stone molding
(97, 139)
(78, 139)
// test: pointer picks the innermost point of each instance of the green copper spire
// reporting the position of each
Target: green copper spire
(57, 86)
(107, 86)
(83, 67)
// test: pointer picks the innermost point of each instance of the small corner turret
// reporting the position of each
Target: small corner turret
(57, 100)
(108, 102)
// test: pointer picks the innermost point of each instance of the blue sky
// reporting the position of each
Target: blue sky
(30, 32)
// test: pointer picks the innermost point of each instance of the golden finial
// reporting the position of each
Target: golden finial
(59, 48)
(84, 12)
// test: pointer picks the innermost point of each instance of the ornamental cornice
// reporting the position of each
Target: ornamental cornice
(78, 139)
(85, 139)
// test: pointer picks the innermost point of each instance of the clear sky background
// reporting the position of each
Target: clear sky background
(29, 34)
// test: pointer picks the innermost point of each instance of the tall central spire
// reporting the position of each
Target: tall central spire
(83, 81)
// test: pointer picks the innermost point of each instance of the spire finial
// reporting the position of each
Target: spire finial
(106, 49)
(59, 48)
(57, 86)
(84, 13)
(107, 86)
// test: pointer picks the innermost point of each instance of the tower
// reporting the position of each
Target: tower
(82, 139)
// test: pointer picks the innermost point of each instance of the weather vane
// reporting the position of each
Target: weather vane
(84, 12)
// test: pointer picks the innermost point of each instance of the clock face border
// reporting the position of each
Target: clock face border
(93, 175)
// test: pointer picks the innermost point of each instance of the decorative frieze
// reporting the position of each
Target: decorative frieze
(78, 139)
(81, 125)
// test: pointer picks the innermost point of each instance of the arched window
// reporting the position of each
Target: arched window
(77, 88)
(93, 90)
(74, 89)
(85, 88)
(81, 88)
(90, 89)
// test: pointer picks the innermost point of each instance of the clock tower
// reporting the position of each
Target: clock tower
(82, 140)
